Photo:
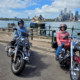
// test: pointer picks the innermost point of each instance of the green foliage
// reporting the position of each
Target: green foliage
(50, 19)
(14, 19)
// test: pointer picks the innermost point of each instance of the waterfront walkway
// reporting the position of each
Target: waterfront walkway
(36, 42)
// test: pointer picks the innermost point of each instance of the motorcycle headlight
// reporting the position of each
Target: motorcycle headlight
(23, 39)
(20, 43)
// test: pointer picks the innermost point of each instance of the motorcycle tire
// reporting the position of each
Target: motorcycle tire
(78, 66)
(20, 66)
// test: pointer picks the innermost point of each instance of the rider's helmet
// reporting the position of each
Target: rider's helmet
(20, 22)
(63, 25)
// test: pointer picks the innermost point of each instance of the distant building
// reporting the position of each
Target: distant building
(60, 18)
(76, 15)
(57, 19)
(67, 16)
(65, 11)
(64, 16)
(69, 12)
(15, 17)
(34, 18)
(40, 18)
(61, 12)
(74, 18)
(71, 16)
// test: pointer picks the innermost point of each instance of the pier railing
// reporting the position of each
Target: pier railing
(70, 30)
(51, 32)
(38, 33)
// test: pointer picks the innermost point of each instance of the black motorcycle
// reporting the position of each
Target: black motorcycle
(19, 53)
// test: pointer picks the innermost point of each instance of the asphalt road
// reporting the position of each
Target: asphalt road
(43, 67)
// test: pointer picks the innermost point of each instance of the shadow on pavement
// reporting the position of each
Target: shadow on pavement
(65, 68)
(36, 66)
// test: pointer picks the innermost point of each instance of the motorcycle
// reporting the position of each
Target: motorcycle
(68, 56)
(20, 51)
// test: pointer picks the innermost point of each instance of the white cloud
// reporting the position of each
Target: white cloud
(53, 10)
(11, 14)
(48, 11)
(7, 5)
(16, 3)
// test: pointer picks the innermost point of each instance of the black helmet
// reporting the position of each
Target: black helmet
(63, 25)
(20, 22)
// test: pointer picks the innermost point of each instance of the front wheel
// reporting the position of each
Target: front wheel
(18, 66)
(75, 73)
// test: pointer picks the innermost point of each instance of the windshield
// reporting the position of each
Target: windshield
(23, 35)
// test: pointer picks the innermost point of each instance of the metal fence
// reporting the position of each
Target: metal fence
(72, 31)
(52, 33)
(46, 32)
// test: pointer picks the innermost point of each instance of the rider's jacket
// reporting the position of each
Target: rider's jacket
(60, 36)
(19, 30)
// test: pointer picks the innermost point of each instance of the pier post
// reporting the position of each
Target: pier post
(53, 35)
(31, 34)
(72, 31)
(49, 30)
(38, 30)
(9, 25)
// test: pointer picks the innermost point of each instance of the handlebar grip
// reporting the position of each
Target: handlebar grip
(14, 28)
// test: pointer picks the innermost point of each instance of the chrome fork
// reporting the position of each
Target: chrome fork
(72, 46)
(16, 49)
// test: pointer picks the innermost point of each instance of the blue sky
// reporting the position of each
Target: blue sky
(40, 3)
(47, 8)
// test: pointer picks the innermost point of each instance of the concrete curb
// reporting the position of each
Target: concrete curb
(3, 41)
(42, 41)
(43, 48)
(34, 46)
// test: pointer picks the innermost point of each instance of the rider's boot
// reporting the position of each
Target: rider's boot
(57, 57)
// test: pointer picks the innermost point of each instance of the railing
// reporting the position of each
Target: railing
(7, 29)
(32, 33)
(53, 37)
(70, 30)
(52, 33)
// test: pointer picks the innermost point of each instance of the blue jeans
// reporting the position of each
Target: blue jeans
(59, 49)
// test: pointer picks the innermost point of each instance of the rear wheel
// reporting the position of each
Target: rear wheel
(75, 73)
(18, 66)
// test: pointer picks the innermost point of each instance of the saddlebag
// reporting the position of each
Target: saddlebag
(54, 44)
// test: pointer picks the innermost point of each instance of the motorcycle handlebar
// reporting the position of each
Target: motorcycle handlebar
(27, 35)
(69, 37)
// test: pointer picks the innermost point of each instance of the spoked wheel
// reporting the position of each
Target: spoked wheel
(18, 66)
(75, 72)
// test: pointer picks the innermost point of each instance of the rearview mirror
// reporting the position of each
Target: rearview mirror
(78, 34)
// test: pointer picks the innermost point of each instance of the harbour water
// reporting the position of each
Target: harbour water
(76, 25)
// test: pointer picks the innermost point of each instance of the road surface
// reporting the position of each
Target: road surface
(43, 67)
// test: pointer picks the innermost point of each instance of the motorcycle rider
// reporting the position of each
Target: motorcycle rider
(60, 41)
(17, 33)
